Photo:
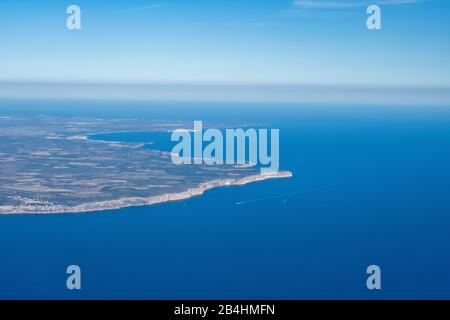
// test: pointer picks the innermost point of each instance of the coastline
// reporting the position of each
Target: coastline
(140, 201)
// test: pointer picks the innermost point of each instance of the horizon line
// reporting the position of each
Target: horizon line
(226, 83)
(229, 92)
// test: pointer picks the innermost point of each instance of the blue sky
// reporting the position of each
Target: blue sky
(232, 41)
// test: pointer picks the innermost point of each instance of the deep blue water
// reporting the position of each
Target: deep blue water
(371, 186)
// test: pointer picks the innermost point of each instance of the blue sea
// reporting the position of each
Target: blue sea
(371, 185)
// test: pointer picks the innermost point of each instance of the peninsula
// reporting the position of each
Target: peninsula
(49, 165)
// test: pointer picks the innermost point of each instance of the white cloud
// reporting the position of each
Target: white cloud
(149, 7)
(325, 4)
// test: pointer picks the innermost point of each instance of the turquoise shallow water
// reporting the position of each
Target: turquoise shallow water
(370, 186)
